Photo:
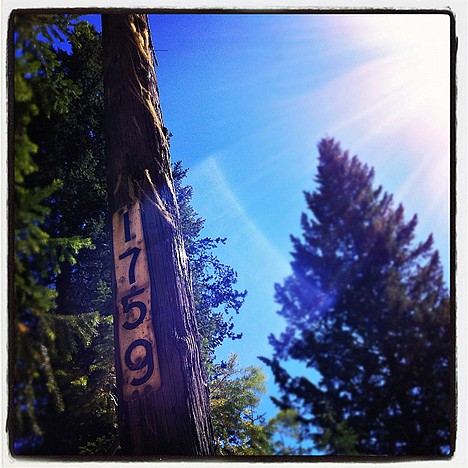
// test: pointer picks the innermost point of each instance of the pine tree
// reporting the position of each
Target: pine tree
(289, 437)
(68, 148)
(216, 299)
(37, 253)
(367, 309)
(71, 148)
(235, 395)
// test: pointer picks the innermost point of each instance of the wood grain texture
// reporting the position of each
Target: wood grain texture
(135, 341)
(175, 418)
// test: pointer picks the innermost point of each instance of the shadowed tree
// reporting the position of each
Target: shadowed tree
(71, 148)
(174, 417)
(38, 252)
(366, 308)
(69, 145)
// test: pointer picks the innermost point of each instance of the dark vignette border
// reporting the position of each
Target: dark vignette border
(10, 425)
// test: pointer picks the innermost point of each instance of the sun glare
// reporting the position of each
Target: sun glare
(394, 103)
(420, 42)
(415, 90)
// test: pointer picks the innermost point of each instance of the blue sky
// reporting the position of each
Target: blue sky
(248, 97)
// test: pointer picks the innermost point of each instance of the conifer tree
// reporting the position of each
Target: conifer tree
(235, 395)
(71, 148)
(367, 309)
(289, 437)
(67, 159)
(217, 300)
(37, 252)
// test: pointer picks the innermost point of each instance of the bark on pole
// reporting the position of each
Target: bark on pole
(163, 397)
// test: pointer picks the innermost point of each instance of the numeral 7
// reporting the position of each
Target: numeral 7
(134, 251)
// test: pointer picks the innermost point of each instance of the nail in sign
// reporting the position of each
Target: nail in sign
(136, 340)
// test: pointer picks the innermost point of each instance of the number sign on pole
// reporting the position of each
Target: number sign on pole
(137, 344)
(164, 405)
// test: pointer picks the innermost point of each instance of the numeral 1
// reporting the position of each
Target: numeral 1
(126, 218)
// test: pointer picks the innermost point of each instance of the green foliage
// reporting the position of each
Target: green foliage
(37, 251)
(235, 396)
(235, 392)
(290, 436)
(71, 148)
(213, 282)
(62, 210)
(105, 445)
(367, 309)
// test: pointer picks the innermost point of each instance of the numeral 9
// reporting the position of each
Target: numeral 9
(146, 361)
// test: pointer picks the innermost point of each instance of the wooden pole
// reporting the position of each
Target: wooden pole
(163, 397)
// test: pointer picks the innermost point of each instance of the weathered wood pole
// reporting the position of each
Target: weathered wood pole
(163, 397)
